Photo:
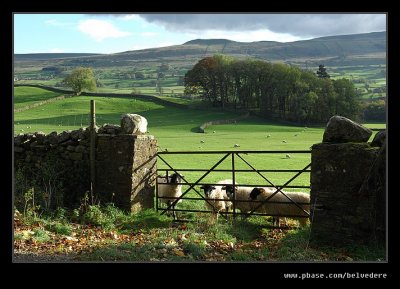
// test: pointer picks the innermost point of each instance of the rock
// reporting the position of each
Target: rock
(133, 124)
(19, 139)
(52, 137)
(110, 129)
(75, 134)
(341, 130)
(40, 137)
(62, 137)
(75, 156)
(70, 148)
(375, 185)
(80, 149)
(18, 149)
(379, 139)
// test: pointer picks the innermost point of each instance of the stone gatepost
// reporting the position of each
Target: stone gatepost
(342, 211)
(126, 164)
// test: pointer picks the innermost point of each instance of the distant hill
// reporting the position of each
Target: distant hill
(46, 56)
(339, 50)
(209, 42)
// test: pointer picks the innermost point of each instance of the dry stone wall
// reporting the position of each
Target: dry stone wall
(63, 157)
(125, 164)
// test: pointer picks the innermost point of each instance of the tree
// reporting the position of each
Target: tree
(81, 78)
(139, 75)
(321, 72)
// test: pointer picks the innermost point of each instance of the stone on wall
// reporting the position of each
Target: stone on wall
(340, 214)
(109, 129)
(341, 130)
(133, 124)
(375, 184)
(379, 139)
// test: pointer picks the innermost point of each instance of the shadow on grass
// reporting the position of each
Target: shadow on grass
(146, 221)
(195, 129)
(295, 246)
(244, 230)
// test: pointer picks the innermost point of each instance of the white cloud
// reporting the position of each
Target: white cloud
(54, 22)
(101, 29)
(127, 17)
(148, 34)
(56, 50)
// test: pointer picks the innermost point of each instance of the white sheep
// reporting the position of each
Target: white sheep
(285, 210)
(217, 195)
(242, 197)
(169, 189)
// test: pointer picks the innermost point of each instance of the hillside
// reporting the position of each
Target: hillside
(356, 49)
(46, 56)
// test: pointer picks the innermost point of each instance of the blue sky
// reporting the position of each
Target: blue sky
(111, 33)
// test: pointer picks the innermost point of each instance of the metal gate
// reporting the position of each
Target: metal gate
(233, 170)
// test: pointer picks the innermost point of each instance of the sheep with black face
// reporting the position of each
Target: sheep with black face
(285, 209)
(219, 200)
(169, 189)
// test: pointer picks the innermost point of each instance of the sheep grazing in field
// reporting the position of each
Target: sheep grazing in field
(219, 199)
(287, 156)
(202, 141)
(169, 189)
(285, 210)
(284, 141)
(236, 145)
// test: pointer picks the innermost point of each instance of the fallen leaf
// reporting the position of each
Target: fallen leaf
(178, 252)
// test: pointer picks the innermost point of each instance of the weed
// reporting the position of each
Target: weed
(40, 235)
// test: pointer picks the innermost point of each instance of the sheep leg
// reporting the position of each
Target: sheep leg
(168, 204)
(174, 213)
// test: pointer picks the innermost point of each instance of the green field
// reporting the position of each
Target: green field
(24, 96)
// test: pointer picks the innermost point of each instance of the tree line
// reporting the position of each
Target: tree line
(275, 89)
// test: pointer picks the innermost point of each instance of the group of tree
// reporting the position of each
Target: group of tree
(277, 90)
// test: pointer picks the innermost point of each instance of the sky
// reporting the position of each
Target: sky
(112, 33)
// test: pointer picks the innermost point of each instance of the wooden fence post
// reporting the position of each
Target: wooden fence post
(92, 150)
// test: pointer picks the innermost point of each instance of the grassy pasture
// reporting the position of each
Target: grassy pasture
(24, 96)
